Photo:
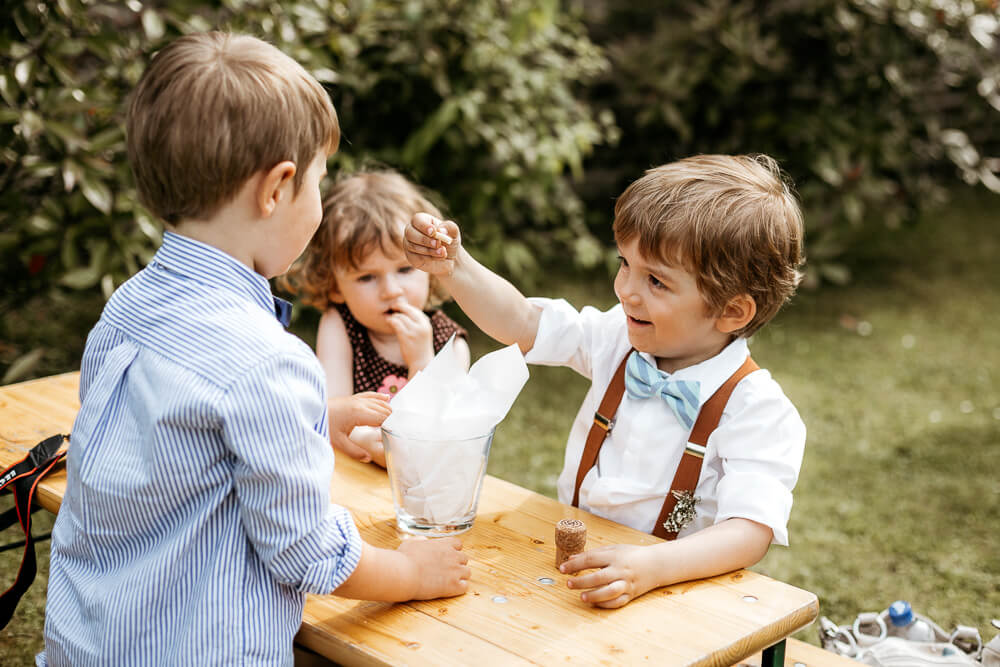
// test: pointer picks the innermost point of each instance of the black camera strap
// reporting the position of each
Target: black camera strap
(21, 479)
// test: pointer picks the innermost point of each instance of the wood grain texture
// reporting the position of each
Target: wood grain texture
(511, 614)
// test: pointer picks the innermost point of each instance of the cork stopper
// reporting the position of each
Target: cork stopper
(571, 538)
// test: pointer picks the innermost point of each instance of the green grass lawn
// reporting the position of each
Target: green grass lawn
(897, 377)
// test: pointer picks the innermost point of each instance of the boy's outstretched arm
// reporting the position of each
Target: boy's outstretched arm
(627, 571)
(419, 569)
(491, 302)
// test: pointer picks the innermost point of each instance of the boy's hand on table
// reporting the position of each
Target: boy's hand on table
(415, 335)
(440, 568)
(346, 412)
(425, 251)
(626, 572)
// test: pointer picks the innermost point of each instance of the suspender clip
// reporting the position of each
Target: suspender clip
(695, 450)
(604, 422)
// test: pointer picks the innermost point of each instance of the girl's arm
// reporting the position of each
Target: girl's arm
(333, 348)
(352, 417)
(495, 305)
(628, 571)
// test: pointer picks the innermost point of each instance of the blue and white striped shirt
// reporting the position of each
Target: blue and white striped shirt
(197, 512)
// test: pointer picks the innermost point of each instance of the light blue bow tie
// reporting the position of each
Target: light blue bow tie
(643, 380)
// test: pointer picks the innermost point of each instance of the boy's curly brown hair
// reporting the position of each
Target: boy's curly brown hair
(732, 220)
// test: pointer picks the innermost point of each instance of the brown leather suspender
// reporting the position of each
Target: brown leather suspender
(603, 421)
(686, 477)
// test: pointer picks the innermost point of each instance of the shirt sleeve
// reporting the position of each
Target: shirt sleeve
(760, 445)
(566, 336)
(274, 421)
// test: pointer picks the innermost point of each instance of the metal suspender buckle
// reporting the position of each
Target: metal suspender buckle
(695, 450)
(604, 422)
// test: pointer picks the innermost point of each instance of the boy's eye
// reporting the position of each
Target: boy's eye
(622, 261)
(656, 282)
(406, 269)
(365, 278)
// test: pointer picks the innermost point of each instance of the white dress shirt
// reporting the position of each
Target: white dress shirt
(752, 460)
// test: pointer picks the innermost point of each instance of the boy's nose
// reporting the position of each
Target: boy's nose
(627, 291)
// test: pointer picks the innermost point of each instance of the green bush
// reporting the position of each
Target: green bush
(478, 101)
(866, 103)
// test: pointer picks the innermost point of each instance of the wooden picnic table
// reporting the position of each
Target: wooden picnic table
(518, 610)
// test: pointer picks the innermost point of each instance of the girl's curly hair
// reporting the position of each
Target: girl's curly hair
(362, 211)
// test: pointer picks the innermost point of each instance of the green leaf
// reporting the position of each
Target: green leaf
(97, 193)
(106, 139)
(836, 273)
(81, 278)
(23, 71)
(72, 172)
(6, 91)
(23, 365)
(152, 24)
(423, 139)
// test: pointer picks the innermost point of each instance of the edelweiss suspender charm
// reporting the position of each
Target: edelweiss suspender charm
(683, 512)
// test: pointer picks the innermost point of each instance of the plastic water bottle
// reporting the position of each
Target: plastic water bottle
(904, 623)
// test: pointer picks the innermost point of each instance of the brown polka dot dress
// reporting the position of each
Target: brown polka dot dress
(372, 372)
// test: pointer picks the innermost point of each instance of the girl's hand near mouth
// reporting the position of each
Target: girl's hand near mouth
(414, 333)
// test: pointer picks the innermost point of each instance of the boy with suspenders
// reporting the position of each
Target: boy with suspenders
(681, 434)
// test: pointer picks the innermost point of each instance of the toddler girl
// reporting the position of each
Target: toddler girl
(380, 324)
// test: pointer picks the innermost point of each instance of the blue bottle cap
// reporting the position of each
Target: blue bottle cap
(900, 613)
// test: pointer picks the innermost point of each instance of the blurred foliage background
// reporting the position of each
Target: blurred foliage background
(526, 117)
(873, 107)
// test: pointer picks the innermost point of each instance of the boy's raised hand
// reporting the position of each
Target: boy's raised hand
(426, 251)
(441, 568)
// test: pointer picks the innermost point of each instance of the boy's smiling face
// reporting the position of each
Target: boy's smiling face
(667, 316)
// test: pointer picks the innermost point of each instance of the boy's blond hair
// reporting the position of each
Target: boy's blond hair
(730, 220)
(362, 211)
(213, 109)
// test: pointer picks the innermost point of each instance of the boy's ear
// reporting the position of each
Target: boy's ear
(736, 314)
(272, 185)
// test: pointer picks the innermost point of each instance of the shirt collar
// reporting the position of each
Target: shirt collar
(214, 268)
(712, 373)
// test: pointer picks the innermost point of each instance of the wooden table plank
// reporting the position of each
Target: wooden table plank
(511, 547)
(716, 621)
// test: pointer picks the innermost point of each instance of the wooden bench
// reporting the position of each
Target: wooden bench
(801, 654)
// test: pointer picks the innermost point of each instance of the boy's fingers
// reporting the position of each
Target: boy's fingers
(619, 601)
(450, 228)
(452, 542)
(423, 220)
(584, 561)
(612, 591)
(421, 230)
(592, 580)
